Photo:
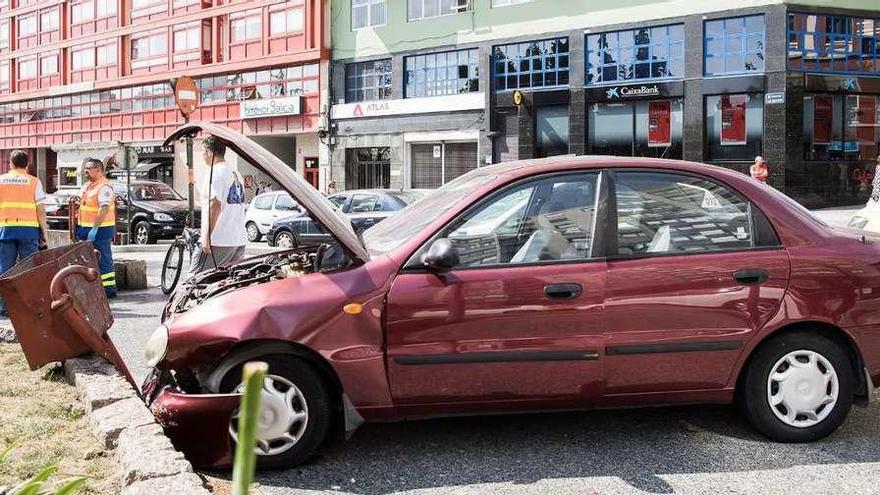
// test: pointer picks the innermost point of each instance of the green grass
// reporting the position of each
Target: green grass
(42, 418)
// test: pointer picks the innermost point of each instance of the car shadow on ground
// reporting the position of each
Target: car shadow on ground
(637, 446)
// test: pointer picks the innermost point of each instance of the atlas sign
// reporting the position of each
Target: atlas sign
(436, 104)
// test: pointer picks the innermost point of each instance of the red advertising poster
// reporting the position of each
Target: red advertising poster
(822, 116)
(733, 119)
(867, 117)
(659, 125)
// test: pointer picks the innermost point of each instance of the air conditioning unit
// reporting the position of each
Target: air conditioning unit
(462, 5)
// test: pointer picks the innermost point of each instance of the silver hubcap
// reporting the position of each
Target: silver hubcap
(285, 241)
(142, 235)
(284, 416)
(252, 232)
(802, 388)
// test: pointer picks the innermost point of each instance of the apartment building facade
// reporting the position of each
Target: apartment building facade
(424, 90)
(83, 78)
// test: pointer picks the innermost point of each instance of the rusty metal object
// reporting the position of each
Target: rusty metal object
(96, 340)
(48, 335)
(72, 214)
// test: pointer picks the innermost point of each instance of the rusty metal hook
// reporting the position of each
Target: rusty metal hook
(56, 288)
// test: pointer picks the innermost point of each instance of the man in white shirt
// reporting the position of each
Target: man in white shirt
(223, 235)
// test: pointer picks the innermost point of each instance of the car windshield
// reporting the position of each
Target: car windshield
(392, 233)
(154, 192)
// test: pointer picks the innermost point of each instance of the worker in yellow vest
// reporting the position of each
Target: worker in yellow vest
(97, 220)
(22, 216)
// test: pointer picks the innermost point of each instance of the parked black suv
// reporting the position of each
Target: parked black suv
(158, 212)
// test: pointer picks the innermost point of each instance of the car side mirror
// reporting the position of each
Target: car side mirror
(441, 256)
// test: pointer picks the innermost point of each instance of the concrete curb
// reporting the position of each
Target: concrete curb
(149, 462)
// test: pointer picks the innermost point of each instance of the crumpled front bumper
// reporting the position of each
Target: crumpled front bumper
(197, 424)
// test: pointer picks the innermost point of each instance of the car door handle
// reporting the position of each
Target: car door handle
(751, 276)
(562, 291)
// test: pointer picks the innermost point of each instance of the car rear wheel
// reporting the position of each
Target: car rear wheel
(143, 234)
(285, 240)
(295, 411)
(798, 387)
(253, 232)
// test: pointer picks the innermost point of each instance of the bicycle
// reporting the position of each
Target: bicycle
(173, 264)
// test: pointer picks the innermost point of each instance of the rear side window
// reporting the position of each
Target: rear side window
(264, 202)
(364, 203)
(660, 213)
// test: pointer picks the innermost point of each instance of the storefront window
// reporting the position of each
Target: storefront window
(734, 126)
(535, 64)
(734, 46)
(643, 128)
(833, 44)
(366, 81)
(640, 54)
(445, 73)
(841, 127)
(551, 129)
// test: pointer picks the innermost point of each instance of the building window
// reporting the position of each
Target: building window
(4, 75)
(833, 44)
(734, 46)
(27, 69)
(534, 64)
(426, 9)
(4, 34)
(147, 7)
(368, 13)
(285, 21)
(83, 11)
(551, 130)
(841, 127)
(651, 128)
(107, 54)
(655, 53)
(505, 3)
(105, 8)
(365, 81)
(179, 4)
(27, 26)
(246, 26)
(82, 58)
(149, 50)
(734, 126)
(49, 65)
(445, 73)
(4, 4)
(49, 21)
(187, 42)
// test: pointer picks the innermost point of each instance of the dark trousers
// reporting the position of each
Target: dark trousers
(13, 250)
(105, 263)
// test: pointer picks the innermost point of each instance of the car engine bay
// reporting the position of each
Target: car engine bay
(250, 271)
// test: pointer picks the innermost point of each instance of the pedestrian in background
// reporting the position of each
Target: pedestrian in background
(97, 220)
(759, 170)
(331, 187)
(875, 183)
(22, 216)
(224, 236)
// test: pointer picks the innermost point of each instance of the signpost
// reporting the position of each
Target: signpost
(186, 96)
(127, 161)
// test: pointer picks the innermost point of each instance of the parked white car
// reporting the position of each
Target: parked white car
(265, 209)
(868, 218)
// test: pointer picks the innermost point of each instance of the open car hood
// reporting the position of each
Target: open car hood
(318, 207)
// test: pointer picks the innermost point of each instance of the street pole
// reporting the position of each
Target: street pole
(189, 171)
(128, 190)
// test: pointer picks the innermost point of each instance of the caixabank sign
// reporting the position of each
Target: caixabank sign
(635, 91)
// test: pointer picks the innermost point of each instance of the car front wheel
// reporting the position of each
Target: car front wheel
(798, 387)
(285, 240)
(295, 411)
(143, 234)
(253, 232)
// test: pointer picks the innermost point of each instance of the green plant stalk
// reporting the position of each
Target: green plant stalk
(253, 375)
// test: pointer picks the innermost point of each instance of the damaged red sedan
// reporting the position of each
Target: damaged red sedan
(561, 283)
